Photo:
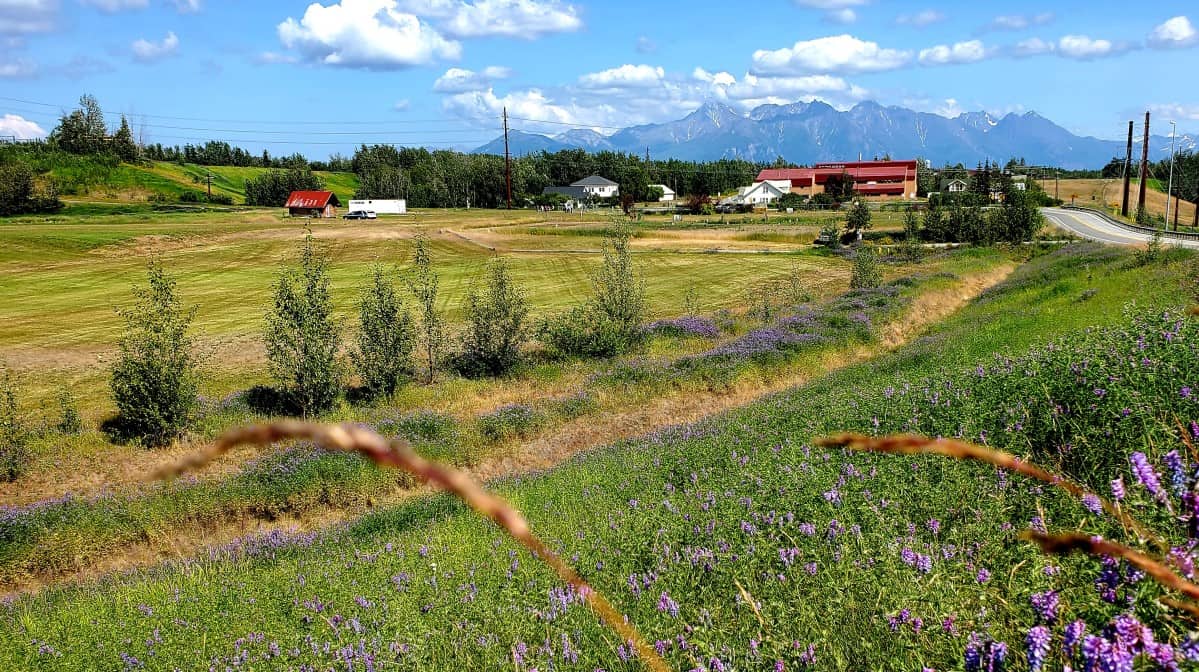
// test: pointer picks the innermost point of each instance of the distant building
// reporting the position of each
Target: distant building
(882, 179)
(391, 206)
(667, 193)
(758, 195)
(321, 204)
(954, 186)
(594, 187)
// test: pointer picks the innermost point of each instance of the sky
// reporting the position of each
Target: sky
(323, 77)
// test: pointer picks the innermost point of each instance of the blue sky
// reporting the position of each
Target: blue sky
(322, 77)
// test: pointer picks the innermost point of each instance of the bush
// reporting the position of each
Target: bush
(191, 197)
(69, 421)
(14, 450)
(273, 188)
(220, 199)
(858, 218)
(155, 379)
(386, 337)
(423, 283)
(512, 421)
(866, 274)
(495, 327)
(301, 337)
(18, 195)
(582, 332)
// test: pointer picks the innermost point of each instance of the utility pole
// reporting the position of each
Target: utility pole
(507, 160)
(1170, 184)
(209, 178)
(1127, 172)
(1144, 168)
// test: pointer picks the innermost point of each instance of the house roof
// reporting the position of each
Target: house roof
(594, 181)
(665, 189)
(312, 199)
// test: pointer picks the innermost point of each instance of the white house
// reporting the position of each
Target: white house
(393, 206)
(598, 187)
(667, 193)
(956, 186)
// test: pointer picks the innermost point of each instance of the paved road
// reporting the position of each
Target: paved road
(1092, 226)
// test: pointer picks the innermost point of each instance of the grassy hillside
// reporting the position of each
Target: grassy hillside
(87, 177)
(1098, 193)
(734, 544)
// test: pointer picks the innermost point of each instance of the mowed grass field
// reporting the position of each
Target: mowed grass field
(1107, 193)
(61, 277)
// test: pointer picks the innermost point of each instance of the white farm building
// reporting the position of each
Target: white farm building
(394, 206)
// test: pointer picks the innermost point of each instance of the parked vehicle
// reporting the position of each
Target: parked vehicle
(361, 214)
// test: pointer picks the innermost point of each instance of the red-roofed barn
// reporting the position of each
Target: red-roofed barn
(322, 204)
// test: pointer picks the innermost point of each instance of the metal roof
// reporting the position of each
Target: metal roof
(594, 181)
(311, 199)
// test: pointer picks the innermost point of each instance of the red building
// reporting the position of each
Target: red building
(871, 178)
(322, 204)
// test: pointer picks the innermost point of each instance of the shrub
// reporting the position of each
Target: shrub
(866, 273)
(69, 421)
(18, 195)
(496, 326)
(386, 337)
(14, 450)
(191, 197)
(301, 336)
(582, 332)
(911, 224)
(154, 381)
(273, 188)
(423, 283)
(858, 218)
(220, 199)
(511, 421)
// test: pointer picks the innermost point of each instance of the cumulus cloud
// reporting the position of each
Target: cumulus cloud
(21, 17)
(113, 6)
(526, 19)
(145, 51)
(920, 19)
(22, 128)
(1085, 48)
(836, 54)
(20, 68)
(844, 15)
(1019, 21)
(1032, 47)
(624, 77)
(402, 105)
(371, 34)
(458, 80)
(961, 52)
(1175, 33)
(1176, 111)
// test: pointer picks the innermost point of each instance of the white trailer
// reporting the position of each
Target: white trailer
(381, 207)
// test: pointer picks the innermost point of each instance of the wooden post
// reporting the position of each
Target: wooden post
(1144, 168)
(507, 160)
(1127, 173)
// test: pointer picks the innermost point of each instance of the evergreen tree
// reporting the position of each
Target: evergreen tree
(123, 144)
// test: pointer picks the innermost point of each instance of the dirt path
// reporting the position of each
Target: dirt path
(564, 442)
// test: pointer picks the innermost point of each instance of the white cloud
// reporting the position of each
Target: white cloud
(1174, 33)
(22, 128)
(624, 77)
(645, 45)
(113, 6)
(961, 52)
(920, 19)
(842, 16)
(370, 34)
(836, 54)
(149, 52)
(17, 69)
(402, 105)
(1176, 111)
(275, 58)
(1019, 21)
(20, 17)
(459, 80)
(1085, 48)
(1032, 47)
(188, 6)
(526, 19)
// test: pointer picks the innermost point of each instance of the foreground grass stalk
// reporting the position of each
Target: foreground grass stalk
(1064, 544)
(398, 455)
(961, 450)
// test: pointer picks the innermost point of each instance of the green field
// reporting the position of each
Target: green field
(733, 542)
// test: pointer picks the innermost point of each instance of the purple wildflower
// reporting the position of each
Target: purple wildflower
(1147, 476)
(666, 604)
(1038, 647)
(1074, 635)
(1118, 489)
(983, 575)
(1092, 503)
(1046, 605)
(1174, 466)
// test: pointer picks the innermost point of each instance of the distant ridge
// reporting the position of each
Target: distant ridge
(811, 132)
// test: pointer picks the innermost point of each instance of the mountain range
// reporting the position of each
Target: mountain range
(806, 133)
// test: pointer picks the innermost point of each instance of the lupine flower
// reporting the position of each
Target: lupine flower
(1178, 477)
(1038, 647)
(668, 605)
(1147, 476)
(1074, 634)
(1118, 489)
(1092, 504)
(1046, 605)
